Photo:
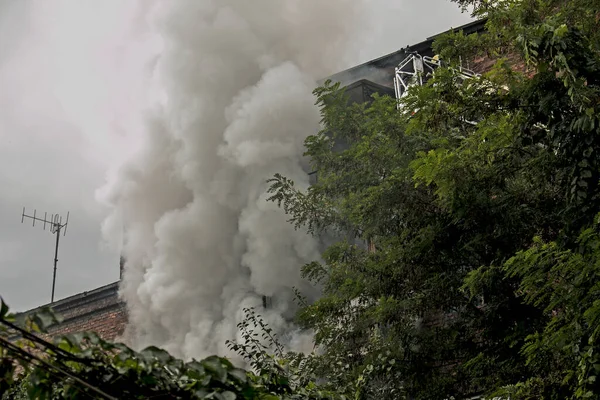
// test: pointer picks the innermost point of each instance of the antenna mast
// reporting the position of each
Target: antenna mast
(56, 227)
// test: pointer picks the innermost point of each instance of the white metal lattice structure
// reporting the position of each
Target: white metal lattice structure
(415, 70)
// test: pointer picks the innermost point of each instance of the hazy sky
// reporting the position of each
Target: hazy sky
(71, 89)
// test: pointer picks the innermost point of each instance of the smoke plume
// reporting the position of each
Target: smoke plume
(232, 104)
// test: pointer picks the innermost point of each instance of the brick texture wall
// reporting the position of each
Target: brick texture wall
(100, 310)
(483, 64)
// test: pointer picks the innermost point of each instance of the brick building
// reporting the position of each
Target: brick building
(102, 311)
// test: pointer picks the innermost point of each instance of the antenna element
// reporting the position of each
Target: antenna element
(56, 227)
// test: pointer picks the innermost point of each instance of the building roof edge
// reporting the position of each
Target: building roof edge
(73, 300)
(471, 27)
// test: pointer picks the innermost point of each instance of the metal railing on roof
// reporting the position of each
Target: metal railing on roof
(415, 70)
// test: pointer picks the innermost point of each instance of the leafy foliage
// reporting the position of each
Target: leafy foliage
(85, 366)
(467, 259)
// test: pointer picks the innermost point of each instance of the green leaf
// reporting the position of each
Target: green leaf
(216, 368)
(239, 375)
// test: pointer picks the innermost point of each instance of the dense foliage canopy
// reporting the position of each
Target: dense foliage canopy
(470, 219)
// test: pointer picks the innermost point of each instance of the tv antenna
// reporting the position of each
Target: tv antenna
(56, 227)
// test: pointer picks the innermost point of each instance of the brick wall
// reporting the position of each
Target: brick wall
(482, 64)
(100, 310)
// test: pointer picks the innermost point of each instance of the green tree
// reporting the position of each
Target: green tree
(451, 211)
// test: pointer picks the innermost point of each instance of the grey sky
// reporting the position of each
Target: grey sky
(70, 85)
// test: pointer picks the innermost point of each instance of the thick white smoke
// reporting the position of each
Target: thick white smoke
(230, 84)
(233, 105)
